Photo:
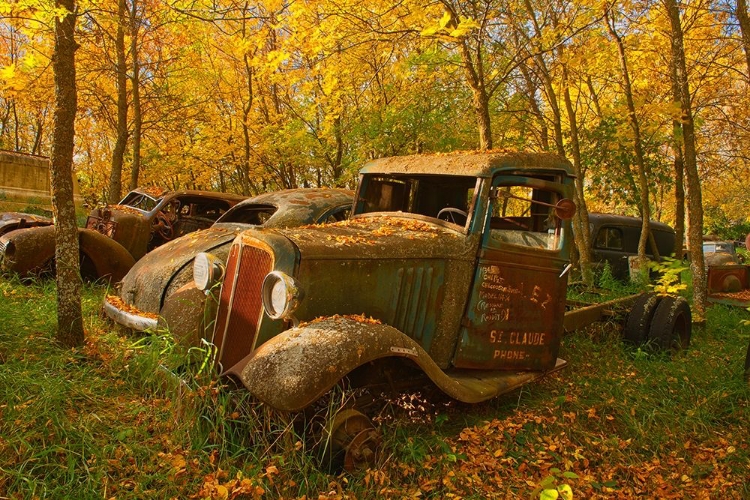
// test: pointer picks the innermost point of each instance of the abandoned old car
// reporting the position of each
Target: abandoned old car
(453, 266)
(117, 236)
(614, 239)
(159, 289)
(720, 253)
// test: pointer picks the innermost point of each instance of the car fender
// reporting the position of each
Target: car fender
(189, 315)
(28, 250)
(298, 366)
(110, 259)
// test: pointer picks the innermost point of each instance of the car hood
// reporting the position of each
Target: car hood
(168, 267)
(13, 220)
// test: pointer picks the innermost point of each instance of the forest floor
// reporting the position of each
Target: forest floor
(111, 420)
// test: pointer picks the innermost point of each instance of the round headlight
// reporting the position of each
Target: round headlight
(280, 295)
(208, 270)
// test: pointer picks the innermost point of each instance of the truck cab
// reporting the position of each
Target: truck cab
(452, 266)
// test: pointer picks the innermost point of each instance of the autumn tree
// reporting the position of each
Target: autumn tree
(694, 194)
(627, 89)
(118, 153)
(69, 316)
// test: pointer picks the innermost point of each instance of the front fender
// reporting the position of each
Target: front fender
(298, 366)
(110, 259)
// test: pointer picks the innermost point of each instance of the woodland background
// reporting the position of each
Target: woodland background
(250, 96)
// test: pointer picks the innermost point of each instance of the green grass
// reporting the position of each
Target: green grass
(128, 417)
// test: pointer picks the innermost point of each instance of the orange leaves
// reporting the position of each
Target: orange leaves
(217, 486)
(121, 305)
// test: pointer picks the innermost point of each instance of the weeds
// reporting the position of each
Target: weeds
(133, 416)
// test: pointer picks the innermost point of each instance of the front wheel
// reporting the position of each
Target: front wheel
(353, 440)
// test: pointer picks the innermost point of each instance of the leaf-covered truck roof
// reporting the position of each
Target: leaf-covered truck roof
(476, 164)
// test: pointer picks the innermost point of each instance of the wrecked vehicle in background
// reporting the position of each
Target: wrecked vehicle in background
(728, 277)
(614, 240)
(117, 236)
(453, 266)
(720, 253)
(159, 289)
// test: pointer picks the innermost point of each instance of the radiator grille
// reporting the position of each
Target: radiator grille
(2, 250)
(241, 319)
(224, 297)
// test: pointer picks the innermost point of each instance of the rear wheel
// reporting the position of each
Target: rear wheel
(671, 325)
(638, 324)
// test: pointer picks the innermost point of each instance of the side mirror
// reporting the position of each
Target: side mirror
(565, 209)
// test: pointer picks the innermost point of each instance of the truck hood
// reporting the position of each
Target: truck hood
(382, 237)
(168, 267)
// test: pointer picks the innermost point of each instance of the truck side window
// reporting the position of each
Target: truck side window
(609, 238)
(522, 215)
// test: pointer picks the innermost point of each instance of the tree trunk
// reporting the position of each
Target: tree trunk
(246, 109)
(581, 218)
(744, 21)
(531, 89)
(118, 154)
(481, 100)
(645, 208)
(694, 195)
(679, 170)
(69, 317)
(136, 84)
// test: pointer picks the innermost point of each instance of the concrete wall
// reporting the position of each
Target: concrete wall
(25, 179)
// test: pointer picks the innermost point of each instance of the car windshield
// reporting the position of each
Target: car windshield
(445, 197)
(717, 247)
(140, 201)
(249, 213)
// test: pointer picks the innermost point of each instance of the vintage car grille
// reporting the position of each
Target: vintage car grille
(2, 249)
(240, 306)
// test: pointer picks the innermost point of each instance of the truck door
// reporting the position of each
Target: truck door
(514, 316)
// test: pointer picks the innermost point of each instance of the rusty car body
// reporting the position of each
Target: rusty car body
(453, 267)
(159, 290)
(117, 236)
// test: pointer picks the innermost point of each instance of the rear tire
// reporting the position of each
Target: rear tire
(638, 324)
(671, 325)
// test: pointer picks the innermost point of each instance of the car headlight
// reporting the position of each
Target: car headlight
(208, 270)
(281, 295)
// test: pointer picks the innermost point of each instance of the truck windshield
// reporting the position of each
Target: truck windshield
(447, 197)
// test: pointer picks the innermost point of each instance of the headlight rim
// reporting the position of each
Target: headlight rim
(208, 271)
(292, 295)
